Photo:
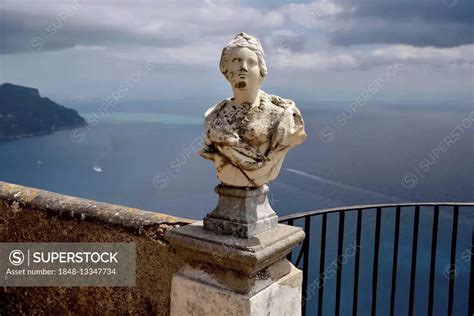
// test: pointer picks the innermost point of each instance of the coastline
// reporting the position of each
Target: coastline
(41, 133)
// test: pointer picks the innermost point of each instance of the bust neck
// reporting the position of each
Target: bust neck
(250, 96)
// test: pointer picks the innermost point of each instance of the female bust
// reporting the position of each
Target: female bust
(247, 136)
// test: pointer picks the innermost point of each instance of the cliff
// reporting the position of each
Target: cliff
(24, 113)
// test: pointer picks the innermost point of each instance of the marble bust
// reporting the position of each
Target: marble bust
(247, 136)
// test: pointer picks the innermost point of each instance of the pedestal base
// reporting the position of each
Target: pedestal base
(246, 256)
(230, 275)
(193, 297)
(243, 212)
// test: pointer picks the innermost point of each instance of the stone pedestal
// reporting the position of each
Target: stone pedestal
(243, 212)
(282, 297)
(231, 275)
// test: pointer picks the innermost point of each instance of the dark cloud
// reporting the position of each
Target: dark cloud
(24, 32)
(460, 11)
(415, 33)
(440, 23)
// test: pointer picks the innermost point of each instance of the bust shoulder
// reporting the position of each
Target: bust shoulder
(215, 108)
(277, 101)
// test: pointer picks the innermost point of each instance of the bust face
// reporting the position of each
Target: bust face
(243, 69)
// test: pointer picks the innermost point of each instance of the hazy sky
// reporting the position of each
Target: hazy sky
(322, 50)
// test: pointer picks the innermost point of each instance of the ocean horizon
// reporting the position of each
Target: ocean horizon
(149, 159)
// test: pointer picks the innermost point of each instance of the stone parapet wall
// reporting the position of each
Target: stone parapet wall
(31, 215)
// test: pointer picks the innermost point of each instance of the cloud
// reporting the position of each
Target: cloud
(440, 23)
(315, 61)
(105, 23)
(185, 38)
(20, 30)
(170, 24)
(461, 57)
(436, 57)
(415, 33)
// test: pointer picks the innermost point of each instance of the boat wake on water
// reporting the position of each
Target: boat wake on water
(349, 187)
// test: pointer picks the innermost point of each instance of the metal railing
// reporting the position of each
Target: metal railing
(450, 211)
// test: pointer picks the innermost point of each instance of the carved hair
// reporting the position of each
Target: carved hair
(243, 40)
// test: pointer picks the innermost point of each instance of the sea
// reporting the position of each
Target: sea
(145, 155)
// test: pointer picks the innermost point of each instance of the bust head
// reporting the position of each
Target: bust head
(242, 62)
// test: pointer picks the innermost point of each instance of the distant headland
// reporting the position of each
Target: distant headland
(24, 113)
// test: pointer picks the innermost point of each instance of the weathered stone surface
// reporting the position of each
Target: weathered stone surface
(245, 266)
(31, 215)
(73, 207)
(243, 212)
(247, 136)
(242, 255)
(233, 281)
(192, 297)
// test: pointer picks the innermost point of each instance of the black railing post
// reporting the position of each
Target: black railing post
(375, 272)
(434, 241)
(452, 262)
(322, 258)
(289, 256)
(355, 295)
(396, 239)
(414, 250)
(471, 282)
(340, 243)
(307, 230)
